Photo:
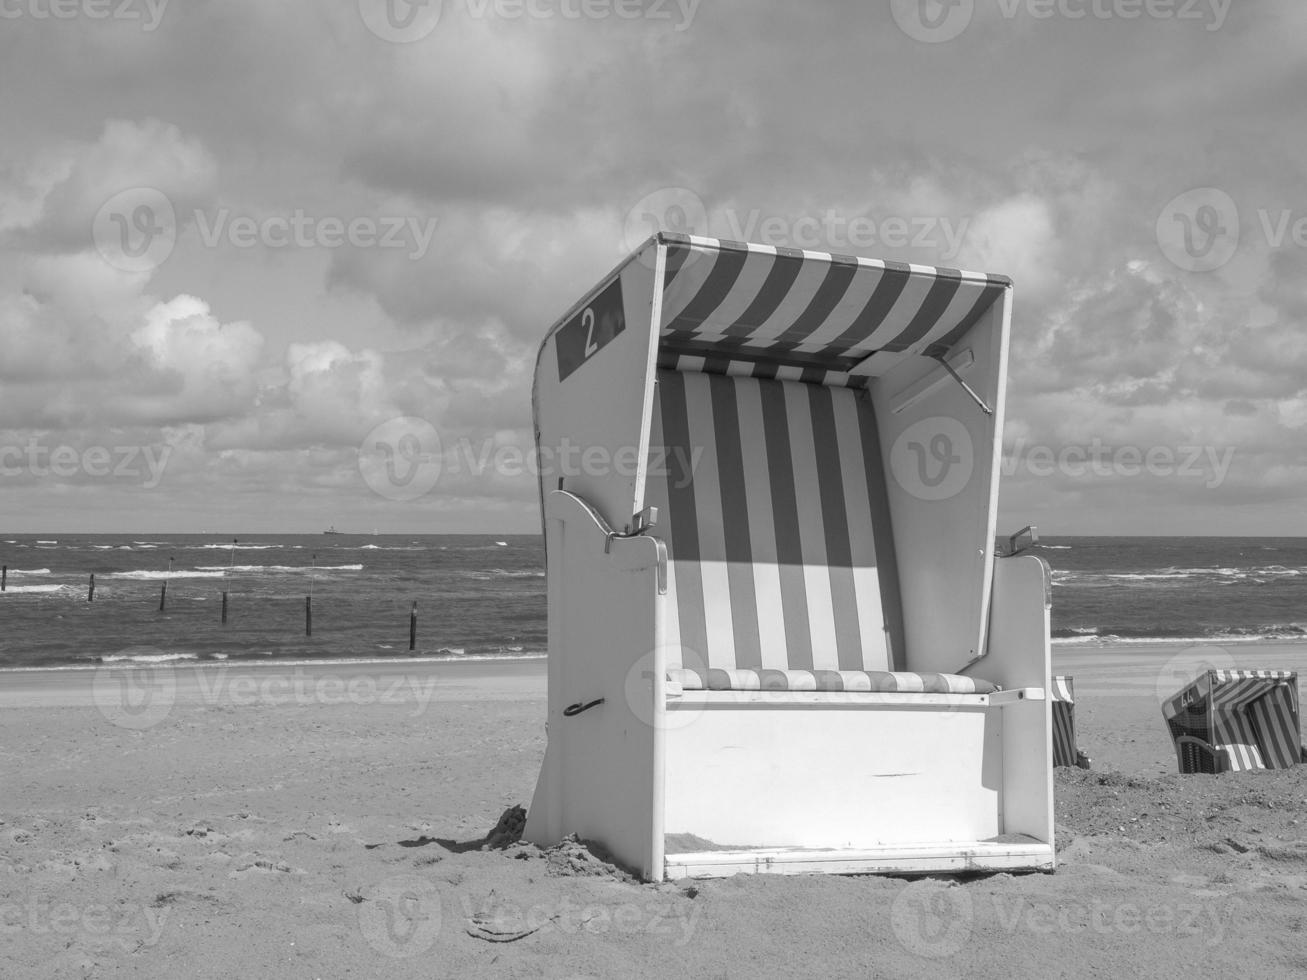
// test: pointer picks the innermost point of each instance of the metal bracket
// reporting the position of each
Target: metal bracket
(640, 523)
(1013, 549)
(965, 387)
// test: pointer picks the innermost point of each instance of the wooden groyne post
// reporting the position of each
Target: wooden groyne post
(90, 592)
(163, 590)
(231, 563)
(308, 600)
(413, 627)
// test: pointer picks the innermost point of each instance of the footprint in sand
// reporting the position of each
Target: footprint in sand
(1288, 852)
(1198, 886)
(165, 858)
(257, 865)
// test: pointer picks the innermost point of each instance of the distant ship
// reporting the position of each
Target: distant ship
(332, 530)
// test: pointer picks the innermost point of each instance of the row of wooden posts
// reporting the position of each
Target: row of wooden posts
(163, 602)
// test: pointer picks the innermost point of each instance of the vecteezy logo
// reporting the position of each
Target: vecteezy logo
(401, 916)
(1187, 666)
(136, 229)
(645, 699)
(675, 209)
(932, 21)
(134, 696)
(400, 21)
(401, 459)
(1199, 229)
(933, 459)
(932, 919)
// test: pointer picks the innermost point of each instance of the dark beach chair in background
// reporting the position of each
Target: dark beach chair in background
(1233, 720)
(1065, 752)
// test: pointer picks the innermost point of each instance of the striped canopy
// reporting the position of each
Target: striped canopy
(754, 310)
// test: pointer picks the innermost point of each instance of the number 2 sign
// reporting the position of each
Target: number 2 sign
(585, 334)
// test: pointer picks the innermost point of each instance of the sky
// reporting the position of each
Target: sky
(241, 242)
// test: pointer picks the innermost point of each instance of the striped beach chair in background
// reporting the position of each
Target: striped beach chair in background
(780, 637)
(1065, 750)
(1235, 720)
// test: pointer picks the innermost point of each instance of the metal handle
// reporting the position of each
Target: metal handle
(1013, 549)
(572, 710)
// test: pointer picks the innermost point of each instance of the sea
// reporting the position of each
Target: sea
(483, 596)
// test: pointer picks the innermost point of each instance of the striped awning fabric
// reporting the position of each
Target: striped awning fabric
(1249, 715)
(1064, 689)
(760, 311)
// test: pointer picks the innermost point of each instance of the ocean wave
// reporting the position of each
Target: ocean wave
(498, 573)
(1181, 634)
(29, 571)
(154, 573)
(280, 568)
(235, 547)
(1223, 575)
(10, 589)
(145, 657)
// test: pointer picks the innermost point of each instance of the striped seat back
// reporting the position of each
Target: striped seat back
(1064, 722)
(1255, 718)
(771, 500)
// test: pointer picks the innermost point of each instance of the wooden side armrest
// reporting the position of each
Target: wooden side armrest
(1220, 757)
(1017, 695)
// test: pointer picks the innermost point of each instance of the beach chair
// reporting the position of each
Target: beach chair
(1235, 720)
(779, 636)
(1065, 750)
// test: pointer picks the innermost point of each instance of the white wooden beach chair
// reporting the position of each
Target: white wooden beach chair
(1235, 720)
(779, 637)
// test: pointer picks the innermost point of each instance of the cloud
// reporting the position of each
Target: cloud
(1056, 143)
(128, 154)
(192, 368)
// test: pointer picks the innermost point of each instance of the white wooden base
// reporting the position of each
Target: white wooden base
(953, 857)
(840, 776)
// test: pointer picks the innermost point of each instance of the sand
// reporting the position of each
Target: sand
(330, 821)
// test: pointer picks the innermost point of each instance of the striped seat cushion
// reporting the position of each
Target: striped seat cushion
(869, 681)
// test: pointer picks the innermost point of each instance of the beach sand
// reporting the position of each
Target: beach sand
(327, 821)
